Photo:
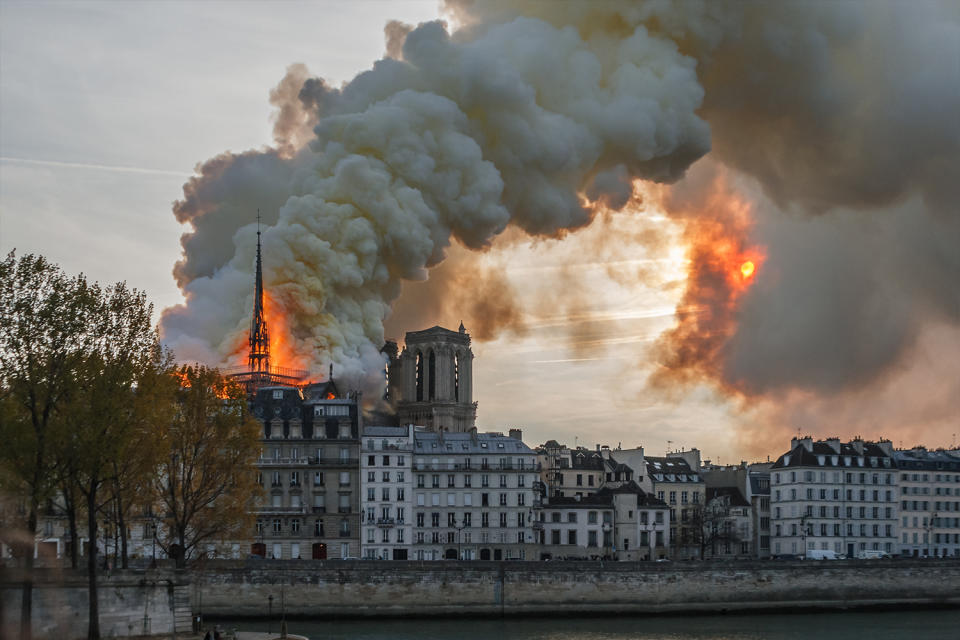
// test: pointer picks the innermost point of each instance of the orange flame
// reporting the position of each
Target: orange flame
(722, 266)
(284, 351)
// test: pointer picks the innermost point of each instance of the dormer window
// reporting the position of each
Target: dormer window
(278, 394)
(318, 411)
(820, 460)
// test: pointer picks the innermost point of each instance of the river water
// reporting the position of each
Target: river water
(893, 625)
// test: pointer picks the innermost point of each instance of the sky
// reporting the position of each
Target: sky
(108, 108)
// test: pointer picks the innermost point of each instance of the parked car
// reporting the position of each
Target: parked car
(871, 554)
(822, 554)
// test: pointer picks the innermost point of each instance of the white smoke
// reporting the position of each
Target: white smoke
(458, 139)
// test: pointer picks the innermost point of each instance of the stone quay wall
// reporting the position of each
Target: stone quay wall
(125, 598)
(341, 589)
(398, 589)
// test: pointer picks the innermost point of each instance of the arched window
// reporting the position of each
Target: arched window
(419, 377)
(456, 377)
(433, 375)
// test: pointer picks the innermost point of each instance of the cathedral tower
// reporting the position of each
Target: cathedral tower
(434, 384)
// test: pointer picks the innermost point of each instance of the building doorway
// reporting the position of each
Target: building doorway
(319, 551)
(258, 549)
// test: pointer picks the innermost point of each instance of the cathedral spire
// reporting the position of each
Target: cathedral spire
(259, 358)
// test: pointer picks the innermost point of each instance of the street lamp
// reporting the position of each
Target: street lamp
(153, 529)
(270, 613)
(459, 526)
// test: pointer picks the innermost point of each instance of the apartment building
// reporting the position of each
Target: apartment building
(571, 472)
(679, 484)
(386, 478)
(835, 496)
(474, 496)
(309, 469)
(929, 496)
(577, 527)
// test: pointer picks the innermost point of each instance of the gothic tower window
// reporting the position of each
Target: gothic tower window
(433, 375)
(419, 377)
(456, 377)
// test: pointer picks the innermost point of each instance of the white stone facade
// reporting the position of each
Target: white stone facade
(386, 476)
(834, 496)
(473, 496)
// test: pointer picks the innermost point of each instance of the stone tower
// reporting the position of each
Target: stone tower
(433, 380)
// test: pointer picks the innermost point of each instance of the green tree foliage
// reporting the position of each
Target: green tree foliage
(81, 374)
(43, 340)
(206, 484)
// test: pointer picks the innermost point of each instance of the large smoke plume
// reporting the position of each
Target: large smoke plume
(453, 143)
(836, 151)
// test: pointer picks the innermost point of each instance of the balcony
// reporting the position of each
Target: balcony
(289, 510)
(385, 523)
(335, 462)
(319, 510)
(344, 510)
(282, 462)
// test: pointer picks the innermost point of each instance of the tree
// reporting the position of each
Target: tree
(206, 485)
(42, 339)
(112, 415)
(715, 525)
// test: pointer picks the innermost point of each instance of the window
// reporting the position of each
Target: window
(484, 519)
(673, 497)
(451, 481)
(434, 519)
(592, 517)
(571, 536)
(345, 504)
(344, 478)
(295, 525)
(591, 538)
(503, 518)
(503, 499)
(277, 525)
(386, 476)
(579, 479)
(385, 494)
(386, 461)
(521, 499)
(572, 516)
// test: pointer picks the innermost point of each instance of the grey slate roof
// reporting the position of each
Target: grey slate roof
(670, 470)
(823, 455)
(492, 444)
(937, 460)
(736, 498)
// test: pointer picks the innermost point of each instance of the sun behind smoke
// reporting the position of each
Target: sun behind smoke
(722, 265)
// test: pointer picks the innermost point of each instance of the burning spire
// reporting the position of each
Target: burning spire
(259, 359)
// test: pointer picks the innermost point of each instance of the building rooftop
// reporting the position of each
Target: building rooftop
(736, 498)
(492, 443)
(857, 454)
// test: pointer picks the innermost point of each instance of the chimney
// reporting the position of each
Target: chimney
(516, 434)
(834, 443)
(857, 444)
